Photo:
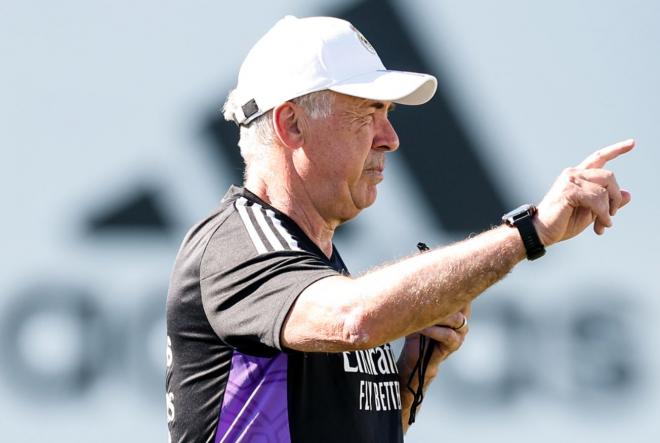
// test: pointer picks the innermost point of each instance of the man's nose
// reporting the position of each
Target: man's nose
(386, 137)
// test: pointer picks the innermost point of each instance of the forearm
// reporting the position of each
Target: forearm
(414, 293)
(342, 314)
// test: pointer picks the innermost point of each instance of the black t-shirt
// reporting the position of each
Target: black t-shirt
(236, 276)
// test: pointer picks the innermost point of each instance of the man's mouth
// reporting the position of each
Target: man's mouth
(376, 172)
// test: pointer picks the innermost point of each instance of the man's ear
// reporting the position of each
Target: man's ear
(286, 122)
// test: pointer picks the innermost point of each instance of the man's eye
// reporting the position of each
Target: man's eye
(369, 117)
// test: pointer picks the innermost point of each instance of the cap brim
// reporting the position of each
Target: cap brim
(406, 88)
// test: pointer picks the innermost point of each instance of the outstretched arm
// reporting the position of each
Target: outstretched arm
(341, 313)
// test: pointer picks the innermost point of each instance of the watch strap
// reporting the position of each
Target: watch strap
(530, 238)
(522, 218)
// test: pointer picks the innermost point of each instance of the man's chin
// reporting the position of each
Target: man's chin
(370, 195)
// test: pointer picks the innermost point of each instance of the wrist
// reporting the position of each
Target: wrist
(542, 231)
(523, 219)
(405, 366)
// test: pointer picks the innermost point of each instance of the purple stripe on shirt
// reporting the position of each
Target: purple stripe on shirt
(254, 408)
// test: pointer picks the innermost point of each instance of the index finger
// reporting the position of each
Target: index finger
(599, 158)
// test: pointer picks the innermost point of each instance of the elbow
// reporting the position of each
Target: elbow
(358, 331)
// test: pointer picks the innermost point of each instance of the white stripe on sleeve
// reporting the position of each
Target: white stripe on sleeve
(283, 232)
(267, 230)
(242, 211)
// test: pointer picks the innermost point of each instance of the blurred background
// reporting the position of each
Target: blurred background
(112, 145)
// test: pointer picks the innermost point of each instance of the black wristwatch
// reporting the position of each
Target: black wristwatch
(521, 218)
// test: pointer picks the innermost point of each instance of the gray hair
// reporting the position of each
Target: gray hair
(259, 135)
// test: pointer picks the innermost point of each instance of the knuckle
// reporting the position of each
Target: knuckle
(571, 179)
(604, 213)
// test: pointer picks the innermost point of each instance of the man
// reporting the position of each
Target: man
(269, 337)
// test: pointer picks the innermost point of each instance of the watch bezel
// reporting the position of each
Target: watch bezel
(511, 217)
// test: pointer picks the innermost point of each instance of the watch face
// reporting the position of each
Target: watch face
(510, 217)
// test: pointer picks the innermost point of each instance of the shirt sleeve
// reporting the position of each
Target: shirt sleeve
(247, 295)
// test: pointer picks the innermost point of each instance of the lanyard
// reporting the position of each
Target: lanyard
(426, 346)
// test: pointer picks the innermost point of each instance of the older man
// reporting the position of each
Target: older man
(269, 337)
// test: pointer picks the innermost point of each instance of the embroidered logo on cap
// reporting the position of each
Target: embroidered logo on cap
(363, 40)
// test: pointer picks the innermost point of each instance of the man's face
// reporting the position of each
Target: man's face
(345, 154)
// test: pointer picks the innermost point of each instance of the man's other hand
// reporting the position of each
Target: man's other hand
(448, 336)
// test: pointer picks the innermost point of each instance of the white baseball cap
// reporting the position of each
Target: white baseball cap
(302, 55)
